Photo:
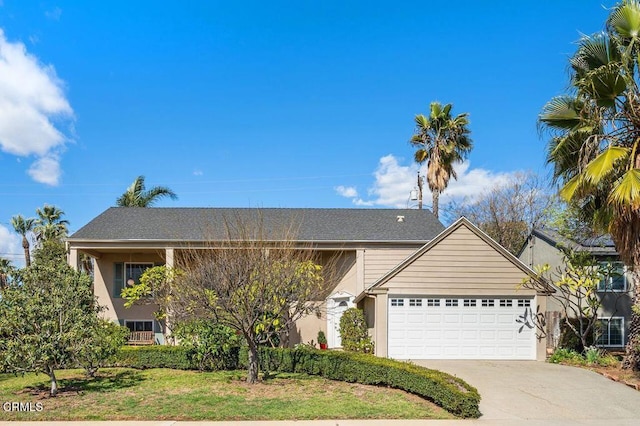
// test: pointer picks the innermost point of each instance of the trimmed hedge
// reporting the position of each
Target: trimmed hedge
(157, 356)
(449, 392)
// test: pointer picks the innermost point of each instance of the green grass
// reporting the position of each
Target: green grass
(126, 394)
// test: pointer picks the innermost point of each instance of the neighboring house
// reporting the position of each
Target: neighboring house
(545, 246)
(427, 292)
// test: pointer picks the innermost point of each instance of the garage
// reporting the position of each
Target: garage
(460, 328)
(460, 296)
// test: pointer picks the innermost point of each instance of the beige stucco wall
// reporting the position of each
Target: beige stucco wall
(104, 282)
(461, 264)
(344, 274)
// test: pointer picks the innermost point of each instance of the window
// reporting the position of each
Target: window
(397, 302)
(617, 281)
(610, 331)
(488, 303)
(123, 272)
(133, 271)
(451, 302)
(524, 303)
(415, 302)
(505, 303)
(433, 302)
(139, 325)
(469, 302)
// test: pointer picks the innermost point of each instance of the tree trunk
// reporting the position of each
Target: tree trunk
(632, 356)
(252, 376)
(54, 382)
(435, 194)
(27, 255)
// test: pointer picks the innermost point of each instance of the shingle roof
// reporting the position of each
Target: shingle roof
(602, 245)
(200, 224)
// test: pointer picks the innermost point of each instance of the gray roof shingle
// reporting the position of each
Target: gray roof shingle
(200, 224)
(600, 246)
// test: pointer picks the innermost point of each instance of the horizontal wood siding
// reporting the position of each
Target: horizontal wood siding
(460, 264)
(378, 262)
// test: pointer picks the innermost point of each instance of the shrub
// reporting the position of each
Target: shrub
(209, 345)
(593, 355)
(354, 333)
(449, 392)
(106, 338)
(568, 356)
(143, 357)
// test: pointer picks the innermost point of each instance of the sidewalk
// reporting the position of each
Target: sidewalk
(480, 422)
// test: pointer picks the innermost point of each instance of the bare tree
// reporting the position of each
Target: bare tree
(257, 281)
(508, 211)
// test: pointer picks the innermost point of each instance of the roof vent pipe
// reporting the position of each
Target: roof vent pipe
(400, 218)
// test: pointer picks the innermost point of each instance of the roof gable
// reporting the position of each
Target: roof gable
(460, 223)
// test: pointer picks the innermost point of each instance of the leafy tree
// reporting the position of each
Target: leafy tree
(570, 221)
(138, 196)
(508, 211)
(441, 140)
(595, 131)
(353, 332)
(213, 346)
(49, 224)
(257, 283)
(577, 293)
(49, 317)
(99, 344)
(23, 226)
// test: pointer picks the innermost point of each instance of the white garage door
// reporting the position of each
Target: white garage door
(461, 328)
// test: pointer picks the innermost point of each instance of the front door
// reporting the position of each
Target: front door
(335, 313)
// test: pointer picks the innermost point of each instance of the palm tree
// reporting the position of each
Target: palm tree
(23, 226)
(442, 141)
(595, 140)
(49, 224)
(5, 271)
(137, 195)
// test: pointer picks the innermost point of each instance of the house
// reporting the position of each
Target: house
(546, 246)
(427, 291)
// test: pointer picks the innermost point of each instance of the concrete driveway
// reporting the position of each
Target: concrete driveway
(532, 390)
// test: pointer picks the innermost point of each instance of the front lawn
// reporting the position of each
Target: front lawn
(155, 394)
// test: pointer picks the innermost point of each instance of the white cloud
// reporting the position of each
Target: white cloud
(346, 191)
(54, 14)
(11, 246)
(32, 109)
(394, 182)
(46, 170)
(197, 172)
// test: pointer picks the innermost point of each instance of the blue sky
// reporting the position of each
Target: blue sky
(267, 104)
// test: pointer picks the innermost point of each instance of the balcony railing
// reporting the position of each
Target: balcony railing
(141, 338)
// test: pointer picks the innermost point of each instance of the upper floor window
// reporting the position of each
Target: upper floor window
(616, 281)
(133, 272)
(127, 274)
